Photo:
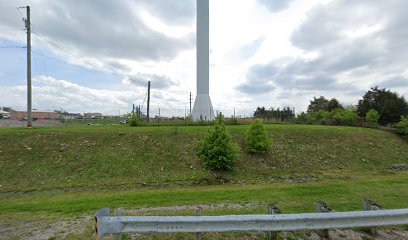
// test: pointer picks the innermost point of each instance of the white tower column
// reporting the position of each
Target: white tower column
(202, 104)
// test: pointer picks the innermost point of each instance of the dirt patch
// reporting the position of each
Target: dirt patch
(46, 230)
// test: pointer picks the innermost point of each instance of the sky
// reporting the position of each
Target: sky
(97, 56)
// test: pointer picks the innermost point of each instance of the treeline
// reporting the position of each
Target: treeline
(277, 115)
(376, 107)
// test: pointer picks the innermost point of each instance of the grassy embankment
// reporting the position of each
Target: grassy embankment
(70, 171)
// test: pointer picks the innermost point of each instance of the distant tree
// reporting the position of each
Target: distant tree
(260, 112)
(256, 138)
(283, 115)
(372, 117)
(217, 150)
(333, 104)
(7, 109)
(302, 118)
(389, 105)
(317, 104)
(62, 112)
(321, 103)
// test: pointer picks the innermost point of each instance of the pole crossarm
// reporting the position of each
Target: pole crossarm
(106, 224)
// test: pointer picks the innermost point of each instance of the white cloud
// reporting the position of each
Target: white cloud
(316, 46)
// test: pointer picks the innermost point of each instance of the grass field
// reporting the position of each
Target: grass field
(68, 172)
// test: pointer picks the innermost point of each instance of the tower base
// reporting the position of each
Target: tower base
(203, 109)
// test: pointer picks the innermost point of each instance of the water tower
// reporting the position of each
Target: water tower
(203, 108)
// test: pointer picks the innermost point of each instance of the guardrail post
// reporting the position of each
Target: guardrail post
(118, 212)
(198, 213)
(322, 207)
(99, 214)
(272, 209)
(369, 205)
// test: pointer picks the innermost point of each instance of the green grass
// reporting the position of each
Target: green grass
(87, 157)
(390, 191)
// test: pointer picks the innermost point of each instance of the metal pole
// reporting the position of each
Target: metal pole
(148, 100)
(29, 94)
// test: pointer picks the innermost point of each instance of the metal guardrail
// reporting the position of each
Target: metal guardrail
(106, 224)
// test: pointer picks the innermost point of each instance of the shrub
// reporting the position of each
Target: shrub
(256, 139)
(319, 117)
(301, 118)
(216, 150)
(346, 117)
(402, 126)
(135, 121)
(372, 117)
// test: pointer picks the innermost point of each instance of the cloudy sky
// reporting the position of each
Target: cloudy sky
(97, 56)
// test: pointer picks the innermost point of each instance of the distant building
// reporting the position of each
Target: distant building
(38, 115)
(70, 116)
(93, 115)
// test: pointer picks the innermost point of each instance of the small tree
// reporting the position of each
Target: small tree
(216, 150)
(345, 116)
(135, 121)
(256, 139)
(372, 117)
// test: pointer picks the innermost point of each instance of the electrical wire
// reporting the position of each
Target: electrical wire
(12, 47)
(117, 75)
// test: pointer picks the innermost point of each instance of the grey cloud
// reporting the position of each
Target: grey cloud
(259, 79)
(173, 11)
(275, 5)
(299, 74)
(108, 28)
(255, 88)
(118, 67)
(326, 31)
(327, 24)
(157, 81)
(394, 82)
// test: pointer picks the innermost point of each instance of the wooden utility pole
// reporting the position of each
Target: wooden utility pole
(148, 100)
(190, 103)
(27, 22)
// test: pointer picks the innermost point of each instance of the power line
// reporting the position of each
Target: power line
(119, 76)
(12, 47)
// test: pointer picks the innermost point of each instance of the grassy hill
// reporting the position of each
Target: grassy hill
(60, 176)
(88, 157)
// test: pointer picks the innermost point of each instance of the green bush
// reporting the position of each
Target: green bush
(372, 117)
(256, 139)
(302, 118)
(320, 117)
(216, 150)
(346, 117)
(135, 121)
(402, 126)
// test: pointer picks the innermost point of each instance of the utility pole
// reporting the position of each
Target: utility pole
(190, 103)
(148, 100)
(158, 119)
(27, 22)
